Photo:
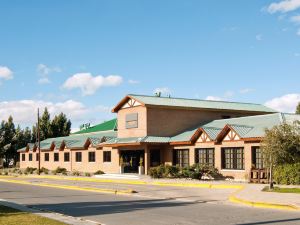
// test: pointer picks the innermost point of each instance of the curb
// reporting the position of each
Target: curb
(99, 190)
(232, 198)
(89, 179)
(211, 186)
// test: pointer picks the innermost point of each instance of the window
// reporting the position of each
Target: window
(92, 157)
(181, 157)
(56, 157)
(30, 156)
(205, 156)
(257, 158)
(106, 156)
(23, 157)
(67, 156)
(46, 157)
(78, 157)
(37, 157)
(131, 120)
(233, 158)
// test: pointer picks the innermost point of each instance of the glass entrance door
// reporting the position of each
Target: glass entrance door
(131, 160)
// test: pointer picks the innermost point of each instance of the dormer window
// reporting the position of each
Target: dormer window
(131, 120)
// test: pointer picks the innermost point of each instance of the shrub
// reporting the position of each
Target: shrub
(60, 170)
(76, 173)
(287, 174)
(87, 174)
(44, 170)
(99, 172)
(193, 172)
(29, 170)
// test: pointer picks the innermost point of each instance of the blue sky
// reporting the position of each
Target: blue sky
(82, 57)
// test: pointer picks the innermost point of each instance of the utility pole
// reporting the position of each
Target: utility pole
(271, 174)
(38, 139)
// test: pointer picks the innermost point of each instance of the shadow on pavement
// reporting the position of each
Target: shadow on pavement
(270, 222)
(80, 209)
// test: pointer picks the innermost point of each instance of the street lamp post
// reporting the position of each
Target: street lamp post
(38, 139)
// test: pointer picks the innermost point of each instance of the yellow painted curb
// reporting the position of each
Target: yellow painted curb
(234, 199)
(100, 190)
(89, 179)
(212, 186)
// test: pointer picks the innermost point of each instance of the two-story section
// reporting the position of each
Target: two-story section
(146, 125)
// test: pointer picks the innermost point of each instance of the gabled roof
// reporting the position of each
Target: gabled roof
(193, 103)
(245, 127)
(105, 126)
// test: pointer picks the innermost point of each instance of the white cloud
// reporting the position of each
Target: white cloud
(214, 98)
(44, 71)
(5, 73)
(285, 103)
(259, 37)
(246, 90)
(44, 80)
(133, 82)
(89, 84)
(295, 19)
(24, 111)
(283, 6)
(162, 90)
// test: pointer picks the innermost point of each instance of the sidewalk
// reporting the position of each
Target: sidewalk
(252, 193)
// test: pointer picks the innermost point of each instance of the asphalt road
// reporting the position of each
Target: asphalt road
(129, 210)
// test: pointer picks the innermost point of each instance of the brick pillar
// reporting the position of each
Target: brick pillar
(147, 159)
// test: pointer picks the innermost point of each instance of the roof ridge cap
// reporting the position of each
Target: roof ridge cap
(195, 99)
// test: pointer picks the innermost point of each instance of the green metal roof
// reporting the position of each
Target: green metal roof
(246, 127)
(146, 139)
(204, 104)
(105, 126)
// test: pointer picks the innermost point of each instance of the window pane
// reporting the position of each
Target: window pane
(106, 156)
(233, 158)
(78, 156)
(92, 157)
(56, 157)
(66, 156)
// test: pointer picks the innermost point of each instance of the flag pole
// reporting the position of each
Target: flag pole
(38, 137)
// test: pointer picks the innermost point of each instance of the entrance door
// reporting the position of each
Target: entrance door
(131, 159)
(154, 157)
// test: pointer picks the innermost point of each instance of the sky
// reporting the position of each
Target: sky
(83, 57)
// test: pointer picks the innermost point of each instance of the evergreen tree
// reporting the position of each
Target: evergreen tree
(8, 140)
(298, 108)
(45, 125)
(60, 126)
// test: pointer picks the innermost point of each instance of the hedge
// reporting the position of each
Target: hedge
(287, 174)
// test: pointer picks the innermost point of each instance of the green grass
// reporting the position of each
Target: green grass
(282, 190)
(10, 216)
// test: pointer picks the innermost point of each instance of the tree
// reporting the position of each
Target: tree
(298, 108)
(281, 145)
(8, 140)
(60, 126)
(45, 125)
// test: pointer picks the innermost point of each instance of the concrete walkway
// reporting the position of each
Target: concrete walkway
(254, 193)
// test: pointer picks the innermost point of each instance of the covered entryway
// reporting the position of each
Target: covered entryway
(155, 158)
(131, 160)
